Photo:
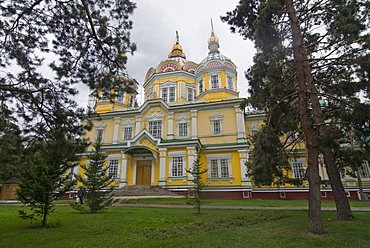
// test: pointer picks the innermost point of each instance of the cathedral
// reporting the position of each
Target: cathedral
(191, 109)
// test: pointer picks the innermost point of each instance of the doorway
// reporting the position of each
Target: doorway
(143, 172)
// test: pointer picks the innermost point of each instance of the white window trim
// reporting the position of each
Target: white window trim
(210, 81)
(183, 120)
(127, 124)
(294, 161)
(193, 94)
(219, 157)
(118, 166)
(156, 117)
(232, 84)
(216, 117)
(171, 155)
(100, 127)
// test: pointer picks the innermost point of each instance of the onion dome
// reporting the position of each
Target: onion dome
(213, 42)
(177, 49)
(214, 53)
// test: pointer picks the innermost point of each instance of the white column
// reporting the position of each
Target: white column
(162, 166)
(191, 158)
(194, 123)
(117, 120)
(240, 125)
(170, 128)
(138, 124)
(243, 156)
(123, 179)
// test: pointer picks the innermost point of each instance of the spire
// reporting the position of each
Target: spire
(177, 49)
(213, 42)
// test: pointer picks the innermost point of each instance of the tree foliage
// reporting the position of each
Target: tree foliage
(96, 182)
(11, 144)
(195, 194)
(46, 47)
(44, 178)
(320, 47)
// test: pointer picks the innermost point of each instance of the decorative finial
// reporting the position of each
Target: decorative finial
(213, 43)
(177, 48)
(212, 30)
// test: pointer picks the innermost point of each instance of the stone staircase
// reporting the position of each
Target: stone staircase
(143, 190)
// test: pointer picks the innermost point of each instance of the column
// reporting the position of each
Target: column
(240, 125)
(243, 156)
(170, 134)
(162, 166)
(117, 121)
(123, 179)
(191, 158)
(194, 123)
(139, 119)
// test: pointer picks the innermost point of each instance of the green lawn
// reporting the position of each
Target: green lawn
(260, 203)
(181, 227)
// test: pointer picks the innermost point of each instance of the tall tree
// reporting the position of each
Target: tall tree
(96, 182)
(11, 144)
(81, 41)
(323, 44)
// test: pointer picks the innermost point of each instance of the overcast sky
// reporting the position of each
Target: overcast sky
(154, 32)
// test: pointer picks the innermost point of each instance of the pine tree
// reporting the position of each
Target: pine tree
(195, 194)
(11, 144)
(73, 41)
(43, 177)
(321, 47)
(96, 182)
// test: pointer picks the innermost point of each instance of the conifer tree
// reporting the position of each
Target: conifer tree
(48, 47)
(195, 194)
(11, 144)
(321, 46)
(96, 182)
(44, 178)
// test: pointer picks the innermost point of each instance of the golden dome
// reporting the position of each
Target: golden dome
(213, 42)
(177, 49)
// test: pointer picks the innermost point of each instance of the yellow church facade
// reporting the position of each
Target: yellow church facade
(190, 109)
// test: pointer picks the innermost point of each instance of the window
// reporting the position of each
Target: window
(201, 86)
(191, 95)
(219, 168)
(121, 98)
(230, 82)
(155, 128)
(365, 170)
(177, 166)
(127, 133)
(132, 101)
(216, 126)
(214, 82)
(172, 95)
(99, 134)
(183, 129)
(165, 94)
(113, 168)
(298, 170)
(169, 94)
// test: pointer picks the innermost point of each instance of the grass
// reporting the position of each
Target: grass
(257, 202)
(180, 227)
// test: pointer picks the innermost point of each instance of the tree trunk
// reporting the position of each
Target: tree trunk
(304, 77)
(341, 201)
